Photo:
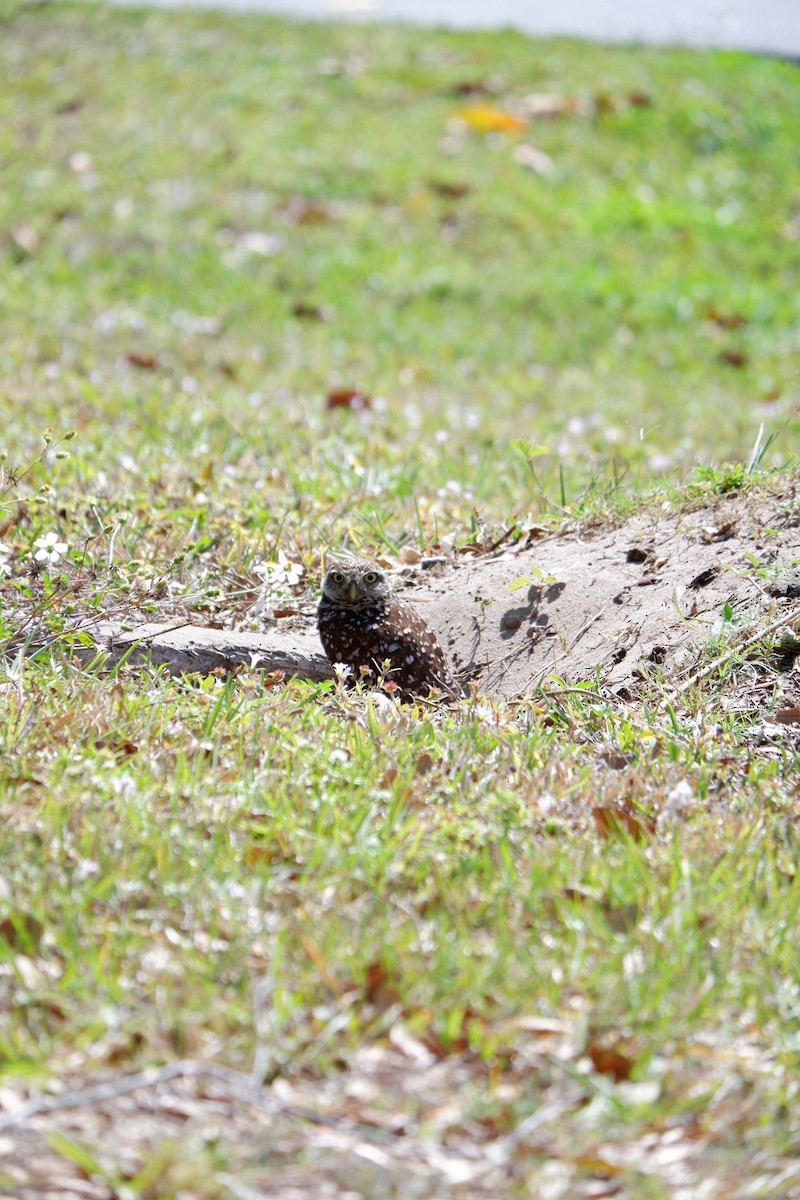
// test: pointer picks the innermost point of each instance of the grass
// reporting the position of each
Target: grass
(208, 225)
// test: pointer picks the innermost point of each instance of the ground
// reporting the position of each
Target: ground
(519, 318)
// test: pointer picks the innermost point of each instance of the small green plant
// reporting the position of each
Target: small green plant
(539, 578)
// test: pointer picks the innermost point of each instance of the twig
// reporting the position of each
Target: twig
(715, 664)
(236, 1083)
(360, 1139)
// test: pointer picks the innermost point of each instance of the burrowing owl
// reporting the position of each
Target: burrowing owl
(363, 623)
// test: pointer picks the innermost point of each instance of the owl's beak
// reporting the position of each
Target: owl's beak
(352, 592)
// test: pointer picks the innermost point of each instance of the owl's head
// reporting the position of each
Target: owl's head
(355, 583)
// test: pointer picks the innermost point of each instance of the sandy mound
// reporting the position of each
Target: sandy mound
(601, 604)
(609, 604)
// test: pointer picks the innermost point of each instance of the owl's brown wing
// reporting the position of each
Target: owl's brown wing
(417, 661)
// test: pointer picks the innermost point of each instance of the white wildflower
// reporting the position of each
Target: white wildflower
(50, 548)
(282, 572)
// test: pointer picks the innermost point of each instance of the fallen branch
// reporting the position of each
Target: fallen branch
(378, 1146)
(780, 623)
(185, 649)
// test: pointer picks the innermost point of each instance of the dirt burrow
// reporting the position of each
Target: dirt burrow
(605, 604)
(609, 604)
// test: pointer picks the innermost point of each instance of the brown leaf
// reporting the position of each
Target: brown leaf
(472, 87)
(486, 119)
(647, 580)
(424, 763)
(70, 106)
(615, 760)
(733, 357)
(121, 748)
(637, 555)
(720, 533)
(451, 191)
(604, 103)
(274, 679)
(145, 362)
(621, 917)
(577, 894)
(301, 210)
(622, 822)
(348, 398)
(380, 986)
(705, 577)
(319, 960)
(607, 1060)
(725, 320)
(787, 716)
(260, 854)
(22, 931)
(313, 312)
(638, 99)
(8, 523)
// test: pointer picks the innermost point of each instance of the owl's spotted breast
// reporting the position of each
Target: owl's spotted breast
(365, 630)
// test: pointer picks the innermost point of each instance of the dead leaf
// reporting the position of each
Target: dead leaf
(607, 1060)
(472, 87)
(604, 103)
(348, 398)
(787, 716)
(638, 99)
(260, 854)
(733, 357)
(648, 580)
(615, 760)
(8, 523)
(486, 119)
(380, 986)
(22, 931)
(145, 362)
(273, 679)
(424, 763)
(320, 962)
(726, 320)
(577, 894)
(301, 210)
(637, 555)
(121, 748)
(622, 822)
(705, 577)
(534, 159)
(313, 312)
(451, 191)
(722, 533)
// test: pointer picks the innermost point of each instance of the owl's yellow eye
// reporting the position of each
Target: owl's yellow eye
(337, 577)
(370, 577)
